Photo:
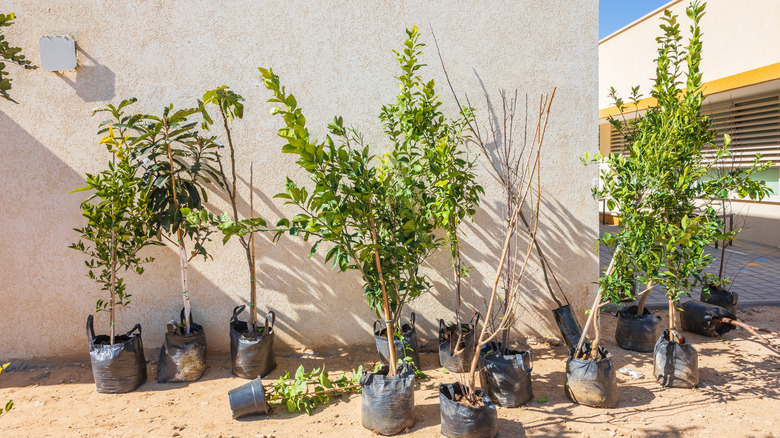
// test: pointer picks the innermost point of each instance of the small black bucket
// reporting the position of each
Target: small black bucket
(459, 420)
(251, 352)
(705, 318)
(182, 356)
(637, 333)
(248, 399)
(448, 335)
(117, 368)
(568, 325)
(506, 375)
(407, 342)
(591, 383)
(388, 402)
(719, 296)
(676, 363)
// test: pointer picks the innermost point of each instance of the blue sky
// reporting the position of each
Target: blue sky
(614, 14)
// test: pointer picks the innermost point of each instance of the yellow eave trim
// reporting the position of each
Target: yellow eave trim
(751, 77)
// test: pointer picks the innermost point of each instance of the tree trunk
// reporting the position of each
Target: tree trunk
(386, 307)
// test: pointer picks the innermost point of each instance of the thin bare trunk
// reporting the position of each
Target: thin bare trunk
(671, 321)
(112, 314)
(182, 250)
(641, 304)
(252, 273)
(385, 304)
(774, 346)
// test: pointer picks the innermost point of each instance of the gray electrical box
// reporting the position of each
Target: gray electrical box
(58, 53)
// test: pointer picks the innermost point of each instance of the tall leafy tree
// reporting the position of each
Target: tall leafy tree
(665, 205)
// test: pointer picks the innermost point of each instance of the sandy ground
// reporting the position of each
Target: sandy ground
(738, 396)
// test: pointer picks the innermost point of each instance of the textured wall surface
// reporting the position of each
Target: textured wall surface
(336, 58)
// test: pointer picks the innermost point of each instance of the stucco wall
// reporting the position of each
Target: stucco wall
(335, 57)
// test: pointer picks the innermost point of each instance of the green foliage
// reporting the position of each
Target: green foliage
(9, 54)
(665, 207)
(117, 216)
(305, 391)
(149, 138)
(10, 404)
(353, 187)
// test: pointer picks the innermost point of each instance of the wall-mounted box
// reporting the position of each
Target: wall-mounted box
(58, 53)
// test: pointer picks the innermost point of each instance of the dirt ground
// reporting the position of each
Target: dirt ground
(738, 396)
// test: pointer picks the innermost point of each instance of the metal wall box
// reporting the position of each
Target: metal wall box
(58, 53)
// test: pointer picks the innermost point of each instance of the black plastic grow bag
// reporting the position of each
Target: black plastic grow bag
(459, 420)
(676, 363)
(407, 342)
(388, 402)
(248, 399)
(589, 382)
(506, 375)
(705, 318)
(637, 333)
(448, 335)
(719, 296)
(182, 356)
(251, 352)
(117, 368)
(568, 325)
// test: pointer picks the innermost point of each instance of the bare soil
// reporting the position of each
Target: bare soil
(738, 396)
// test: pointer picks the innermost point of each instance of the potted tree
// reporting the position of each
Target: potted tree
(251, 343)
(465, 410)
(177, 163)
(10, 54)
(668, 217)
(117, 228)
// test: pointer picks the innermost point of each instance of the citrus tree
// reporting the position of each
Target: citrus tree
(664, 204)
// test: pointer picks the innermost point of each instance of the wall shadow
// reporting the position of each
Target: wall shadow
(93, 81)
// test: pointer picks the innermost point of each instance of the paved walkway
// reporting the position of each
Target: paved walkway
(754, 270)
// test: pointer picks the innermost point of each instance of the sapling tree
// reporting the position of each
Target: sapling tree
(304, 391)
(10, 54)
(665, 206)
(229, 106)
(177, 164)
(117, 217)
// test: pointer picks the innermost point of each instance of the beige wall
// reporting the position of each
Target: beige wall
(335, 57)
(738, 35)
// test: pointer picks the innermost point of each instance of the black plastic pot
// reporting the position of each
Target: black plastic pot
(448, 335)
(248, 399)
(251, 352)
(182, 356)
(459, 420)
(676, 363)
(387, 403)
(705, 318)
(506, 375)
(719, 296)
(568, 325)
(637, 333)
(117, 368)
(591, 383)
(408, 341)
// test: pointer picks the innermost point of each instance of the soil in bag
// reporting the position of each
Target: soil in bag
(406, 346)
(591, 382)
(719, 296)
(448, 336)
(182, 356)
(705, 318)
(637, 333)
(462, 419)
(388, 402)
(251, 351)
(568, 325)
(676, 363)
(506, 375)
(117, 368)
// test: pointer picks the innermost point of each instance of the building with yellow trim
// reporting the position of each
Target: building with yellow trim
(741, 72)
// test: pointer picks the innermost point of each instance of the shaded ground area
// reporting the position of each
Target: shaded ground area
(739, 396)
(753, 268)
